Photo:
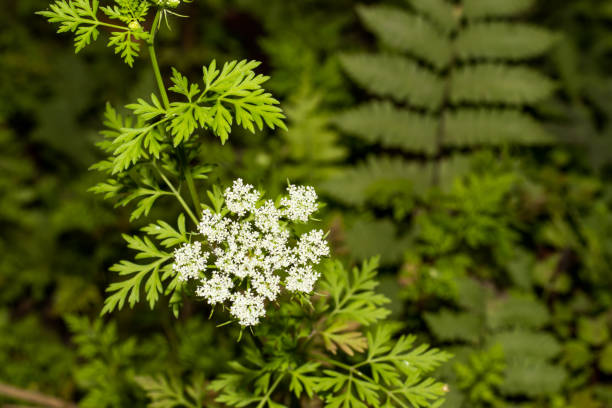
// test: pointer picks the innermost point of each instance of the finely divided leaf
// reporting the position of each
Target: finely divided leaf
(130, 288)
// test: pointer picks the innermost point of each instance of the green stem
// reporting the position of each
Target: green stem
(164, 96)
(102, 23)
(195, 198)
(194, 194)
(270, 391)
(155, 64)
(176, 194)
(358, 374)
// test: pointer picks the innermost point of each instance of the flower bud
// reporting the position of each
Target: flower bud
(134, 25)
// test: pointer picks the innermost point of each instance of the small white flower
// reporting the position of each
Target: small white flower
(248, 238)
(216, 289)
(240, 198)
(311, 247)
(267, 285)
(300, 204)
(301, 279)
(213, 226)
(247, 308)
(267, 217)
(231, 262)
(189, 261)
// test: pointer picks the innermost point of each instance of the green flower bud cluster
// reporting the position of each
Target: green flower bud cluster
(169, 3)
(134, 25)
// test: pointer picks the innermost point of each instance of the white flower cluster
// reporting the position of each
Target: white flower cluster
(251, 251)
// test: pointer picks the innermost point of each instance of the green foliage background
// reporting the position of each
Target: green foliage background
(494, 233)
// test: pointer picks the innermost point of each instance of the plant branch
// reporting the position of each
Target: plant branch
(195, 198)
(176, 194)
(155, 64)
(34, 397)
(192, 190)
(270, 391)
(166, 102)
(164, 95)
(358, 374)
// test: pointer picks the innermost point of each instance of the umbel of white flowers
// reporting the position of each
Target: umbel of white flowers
(248, 256)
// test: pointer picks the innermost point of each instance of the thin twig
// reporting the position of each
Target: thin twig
(21, 406)
(34, 397)
(176, 194)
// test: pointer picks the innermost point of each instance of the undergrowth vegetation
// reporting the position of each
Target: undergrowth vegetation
(306, 203)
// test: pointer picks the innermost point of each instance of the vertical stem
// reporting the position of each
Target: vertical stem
(443, 111)
(154, 63)
(164, 96)
(195, 198)
(192, 190)
(270, 391)
(176, 194)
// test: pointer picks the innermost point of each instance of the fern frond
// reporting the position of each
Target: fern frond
(381, 122)
(440, 12)
(395, 76)
(525, 343)
(516, 311)
(311, 139)
(352, 186)
(357, 184)
(476, 9)
(470, 127)
(387, 245)
(532, 378)
(499, 84)
(408, 33)
(447, 325)
(502, 41)
(450, 169)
